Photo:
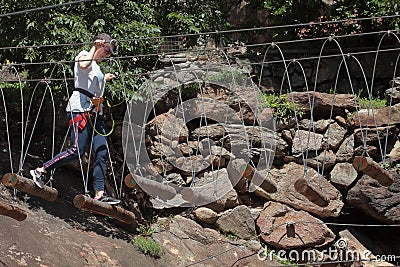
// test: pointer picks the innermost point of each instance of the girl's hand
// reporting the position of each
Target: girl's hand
(98, 44)
(109, 76)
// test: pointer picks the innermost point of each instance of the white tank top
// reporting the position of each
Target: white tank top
(91, 80)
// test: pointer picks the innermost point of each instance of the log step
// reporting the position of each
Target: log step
(28, 186)
(302, 186)
(13, 212)
(151, 187)
(373, 170)
(256, 178)
(89, 204)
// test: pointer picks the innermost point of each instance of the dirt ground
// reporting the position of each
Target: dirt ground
(58, 234)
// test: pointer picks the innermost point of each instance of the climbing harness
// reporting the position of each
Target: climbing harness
(97, 104)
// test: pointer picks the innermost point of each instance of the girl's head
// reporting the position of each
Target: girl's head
(107, 48)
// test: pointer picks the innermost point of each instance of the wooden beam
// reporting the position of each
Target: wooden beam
(260, 180)
(373, 170)
(236, 168)
(302, 186)
(116, 212)
(256, 178)
(131, 182)
(151, 187)
(13, 212)
(28, 186)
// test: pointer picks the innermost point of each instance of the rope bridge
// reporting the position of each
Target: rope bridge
(204, 95)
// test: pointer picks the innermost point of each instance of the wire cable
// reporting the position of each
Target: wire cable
(215, 32)
(41, 8)
(152, 72)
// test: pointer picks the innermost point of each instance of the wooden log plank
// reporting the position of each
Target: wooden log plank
(260, 180)
(238, 168)
(154, 188)
(28, 186)
(302, 186)
(86, 203)
(373, 170)
(256, 178)
(13, 212)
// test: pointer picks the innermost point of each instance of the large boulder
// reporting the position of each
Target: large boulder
(380, 202)
(238, 221)
(324, 103)
(276, 218)
(285, 179)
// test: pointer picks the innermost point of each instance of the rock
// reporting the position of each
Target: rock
(392, 95)
(345, 152)
(342, 121)
(343, 175)
(379, 202)
(369, 150)
(376, 136)
(287, 135)
(188, 165)
(394, 155)
(381, 117)
(325, 159)
(318, 126)
(159, 150)
(214, 190)
(185, 242)
(213, 132)
(273, 224)
(323, 102)
(238, 221)
(255, 212)
(305, 140)
(207, 150)
(236, 170)
(335, 135)
(169, 126)
(357, 250)
(175, 178)
(285, 179)
(206, 215)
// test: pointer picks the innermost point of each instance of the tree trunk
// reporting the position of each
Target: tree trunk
(28, 186)
(13, 212)
(372, 169)
(118, 213)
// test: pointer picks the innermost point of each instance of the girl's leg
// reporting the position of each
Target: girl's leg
(100, 156)
(78, 144)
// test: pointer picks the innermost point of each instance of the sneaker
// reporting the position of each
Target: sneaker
(38, 177)
(108, 200)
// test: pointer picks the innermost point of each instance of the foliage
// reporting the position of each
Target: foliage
(147, 231)
(370, 102)
(148, 246)
(145, 243)
(229, 76)
(294, 12)
(372, 8)
(189, 90)
(282, 108)
(58, 34)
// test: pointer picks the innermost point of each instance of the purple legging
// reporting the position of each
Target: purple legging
(79, 140)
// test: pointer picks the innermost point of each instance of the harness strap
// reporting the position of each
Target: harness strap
(95, 100)
(85, 92)
(82, 119)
